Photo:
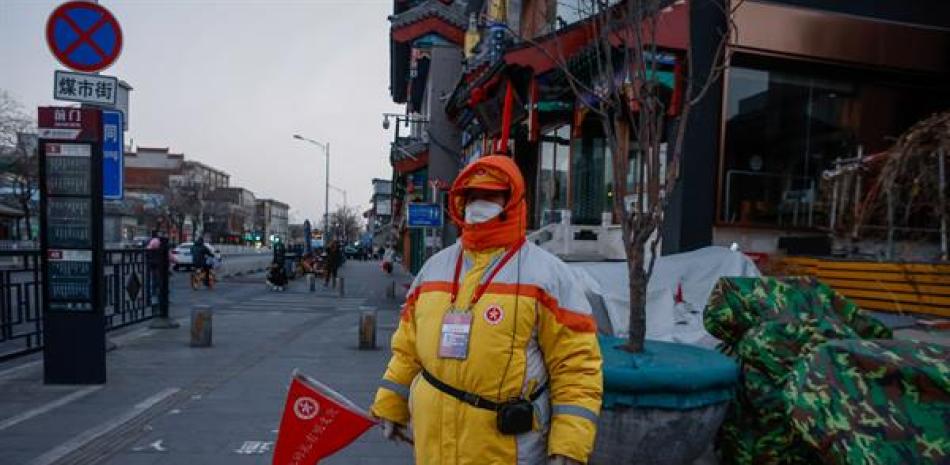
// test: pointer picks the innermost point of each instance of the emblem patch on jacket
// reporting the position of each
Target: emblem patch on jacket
(494, 314)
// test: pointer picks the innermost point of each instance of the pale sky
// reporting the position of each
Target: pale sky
(227, 83)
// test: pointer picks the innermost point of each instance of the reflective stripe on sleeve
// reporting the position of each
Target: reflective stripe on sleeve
(576, 411)
(400, 389)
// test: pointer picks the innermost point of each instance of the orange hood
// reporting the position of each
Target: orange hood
(491, 172)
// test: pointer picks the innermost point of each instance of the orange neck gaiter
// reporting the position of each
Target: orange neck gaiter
(491, 172)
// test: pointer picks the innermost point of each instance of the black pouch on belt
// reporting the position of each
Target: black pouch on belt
(515, 417)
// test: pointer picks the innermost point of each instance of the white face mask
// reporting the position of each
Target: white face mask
(480, 211)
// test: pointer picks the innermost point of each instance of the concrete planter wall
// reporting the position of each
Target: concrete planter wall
(662, 406)
(641, 435)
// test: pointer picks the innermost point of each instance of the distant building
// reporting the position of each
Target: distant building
(230, 215)
(380, 214)
(148, 169)
(272, 220)
(161, 184)
(204, 174)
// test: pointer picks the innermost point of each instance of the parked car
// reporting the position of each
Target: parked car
(351, 251)
(181, 256)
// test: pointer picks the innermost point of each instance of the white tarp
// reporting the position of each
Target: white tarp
(698, 271)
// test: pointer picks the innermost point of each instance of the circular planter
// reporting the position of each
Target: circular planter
(662, 406)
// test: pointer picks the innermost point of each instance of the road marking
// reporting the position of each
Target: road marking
(89, 435)
(9, 422)
(155, 446)
(254, 447)
(12, 371)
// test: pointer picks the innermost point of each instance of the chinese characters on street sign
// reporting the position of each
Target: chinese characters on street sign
(85, 88)
(68, 123)
(70, 278)
(113, 146)
(425, 215)
(71, 164)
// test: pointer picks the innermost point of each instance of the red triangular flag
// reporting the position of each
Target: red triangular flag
(678, 295)
(317, 422)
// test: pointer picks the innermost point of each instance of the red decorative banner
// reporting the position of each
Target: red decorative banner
(317, 422)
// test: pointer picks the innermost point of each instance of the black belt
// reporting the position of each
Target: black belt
(473, 399)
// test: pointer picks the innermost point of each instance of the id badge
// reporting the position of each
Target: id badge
(456, 332)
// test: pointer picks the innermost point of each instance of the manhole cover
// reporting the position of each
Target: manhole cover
(133, 285)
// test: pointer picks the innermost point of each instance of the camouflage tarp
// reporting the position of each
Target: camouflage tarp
(773, 326)
(896, 407)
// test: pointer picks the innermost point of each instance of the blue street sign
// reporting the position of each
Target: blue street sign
(113, 148)
(425, 215)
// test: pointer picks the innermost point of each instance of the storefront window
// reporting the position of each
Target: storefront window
(786, 123)
(590, 176)
(552, 174)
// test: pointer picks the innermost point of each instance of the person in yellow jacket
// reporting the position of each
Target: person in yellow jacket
(495, 360)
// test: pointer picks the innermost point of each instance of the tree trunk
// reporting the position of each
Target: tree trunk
(638, 298)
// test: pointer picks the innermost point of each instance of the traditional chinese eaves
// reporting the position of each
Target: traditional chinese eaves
(672, 33)
(410, 157)
(447, 20)
(431, 16)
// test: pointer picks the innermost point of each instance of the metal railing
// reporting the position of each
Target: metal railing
(21, 319)
(132, 293)
(131, 286)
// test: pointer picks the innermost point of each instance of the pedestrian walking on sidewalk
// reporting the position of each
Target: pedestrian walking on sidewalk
(388, 256)
(153, 255)
(496, 344)
(334, 261)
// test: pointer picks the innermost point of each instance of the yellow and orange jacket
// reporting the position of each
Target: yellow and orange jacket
(539, 330)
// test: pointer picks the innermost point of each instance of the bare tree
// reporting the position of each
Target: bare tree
(21, 170)
(177, 209)
(345, 223)
(187, 198)
(623, 90)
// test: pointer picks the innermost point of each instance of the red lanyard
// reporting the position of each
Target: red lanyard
(483, 286)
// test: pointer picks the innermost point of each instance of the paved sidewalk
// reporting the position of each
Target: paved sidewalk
(168, 403)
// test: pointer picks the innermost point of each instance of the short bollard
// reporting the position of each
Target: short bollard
(313, 281)
(368, 330)
(341, 281)
(201, 326)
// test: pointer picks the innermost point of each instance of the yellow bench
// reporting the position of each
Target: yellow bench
(892, 287)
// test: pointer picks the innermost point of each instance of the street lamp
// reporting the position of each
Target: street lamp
(342, 191)
(326, 194)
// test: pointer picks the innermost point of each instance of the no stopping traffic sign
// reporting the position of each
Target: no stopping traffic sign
(84, 36)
